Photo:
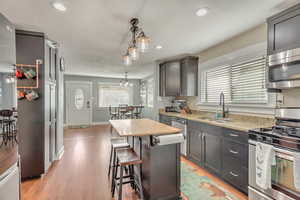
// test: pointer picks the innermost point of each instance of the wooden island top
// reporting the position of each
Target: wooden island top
(141, 127)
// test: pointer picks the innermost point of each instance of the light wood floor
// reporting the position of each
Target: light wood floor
(82, 172)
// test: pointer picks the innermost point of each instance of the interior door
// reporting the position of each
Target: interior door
(79, 108)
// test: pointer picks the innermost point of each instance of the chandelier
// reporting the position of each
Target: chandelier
(125, 82)
(139, 43)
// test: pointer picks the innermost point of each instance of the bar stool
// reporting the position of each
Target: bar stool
(127, 158)
(116, 143)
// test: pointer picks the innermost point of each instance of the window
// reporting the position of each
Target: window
(150, 92)
(147, 92)
(240, 83)
(113, 95)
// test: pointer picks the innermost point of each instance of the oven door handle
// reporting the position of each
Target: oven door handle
(281, 153)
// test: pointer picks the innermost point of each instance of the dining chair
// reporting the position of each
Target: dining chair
(113, 112)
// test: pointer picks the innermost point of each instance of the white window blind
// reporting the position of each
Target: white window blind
(240, 83)
(113, 95)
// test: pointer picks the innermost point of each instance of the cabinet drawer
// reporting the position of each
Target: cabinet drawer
(235, 174)
(236, 151)
(234, 135)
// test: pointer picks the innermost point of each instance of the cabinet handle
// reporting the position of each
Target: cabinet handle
(233, 152)
(233, 174)
(233, 135)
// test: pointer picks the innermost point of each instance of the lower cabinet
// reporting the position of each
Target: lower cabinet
(195, 145)
(165, 120)
(222, 151)
(212, 152)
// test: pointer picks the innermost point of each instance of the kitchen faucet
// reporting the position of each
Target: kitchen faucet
(222, 103)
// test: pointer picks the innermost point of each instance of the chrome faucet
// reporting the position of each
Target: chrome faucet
(222, 103)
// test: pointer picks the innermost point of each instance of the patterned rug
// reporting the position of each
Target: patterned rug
(196, 187)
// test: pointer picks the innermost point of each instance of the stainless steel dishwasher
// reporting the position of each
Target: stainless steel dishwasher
(181, 124)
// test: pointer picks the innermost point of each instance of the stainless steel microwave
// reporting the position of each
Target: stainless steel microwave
(283, 70)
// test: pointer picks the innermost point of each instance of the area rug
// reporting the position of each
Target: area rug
(197, 187)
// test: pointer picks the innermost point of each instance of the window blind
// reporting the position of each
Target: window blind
(248, 82)
(240, 83)
(112, 95)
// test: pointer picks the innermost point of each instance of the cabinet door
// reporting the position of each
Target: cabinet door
(284, 30)
(212, 152)
(162, 80)
(172, 87)
(195, 145)
(189, 77)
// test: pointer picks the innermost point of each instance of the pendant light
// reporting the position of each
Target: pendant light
(133, 52)
(139, 42)
(125, 82)
(127, 59)
(143, 42)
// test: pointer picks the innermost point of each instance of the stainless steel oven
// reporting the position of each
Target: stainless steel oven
(282, 176)
(283, 69)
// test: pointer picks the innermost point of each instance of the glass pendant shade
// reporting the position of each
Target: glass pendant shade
(143, 42)
(133, 52)
(127, 59)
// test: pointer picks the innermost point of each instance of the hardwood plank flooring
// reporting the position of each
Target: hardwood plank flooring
(82, 172)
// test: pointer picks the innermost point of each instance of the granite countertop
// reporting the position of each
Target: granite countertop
(237, 122)
(142, 127)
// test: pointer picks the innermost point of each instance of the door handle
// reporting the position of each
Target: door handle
(88, 104)
(233, 152)
(233, 135)
(233, 174)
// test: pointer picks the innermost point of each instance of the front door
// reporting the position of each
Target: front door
(78, 100)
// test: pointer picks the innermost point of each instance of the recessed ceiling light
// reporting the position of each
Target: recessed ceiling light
(58, 5)
(158, 47)
(202, 11)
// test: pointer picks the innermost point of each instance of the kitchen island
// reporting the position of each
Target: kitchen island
(160, 170)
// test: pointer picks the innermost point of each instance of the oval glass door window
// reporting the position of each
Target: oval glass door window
(79, 99)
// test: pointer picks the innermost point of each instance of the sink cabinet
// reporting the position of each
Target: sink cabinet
(221, 151)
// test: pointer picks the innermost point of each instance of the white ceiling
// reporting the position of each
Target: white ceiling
(94, 33)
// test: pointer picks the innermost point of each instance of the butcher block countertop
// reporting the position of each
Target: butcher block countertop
(141, 127)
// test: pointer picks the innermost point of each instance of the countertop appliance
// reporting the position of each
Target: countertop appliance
(181, 124)
(285, 137)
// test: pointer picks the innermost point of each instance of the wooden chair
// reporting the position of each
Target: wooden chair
(127, 158)
(113, 113)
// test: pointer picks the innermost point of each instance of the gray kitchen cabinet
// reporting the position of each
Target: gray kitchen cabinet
(170, 79)
(284, 30)
(212, 152)
(179, 78)
(222, 151)
(195, 144)
(189, 76)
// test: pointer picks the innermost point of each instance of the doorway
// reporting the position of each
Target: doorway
(78, 103)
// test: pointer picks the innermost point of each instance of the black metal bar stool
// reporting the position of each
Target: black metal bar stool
(127, 158)
(116, 143)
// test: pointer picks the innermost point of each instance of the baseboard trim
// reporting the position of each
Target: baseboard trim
(61, 153)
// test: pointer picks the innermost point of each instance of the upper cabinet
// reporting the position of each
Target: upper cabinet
(179, 78)
(284, 30)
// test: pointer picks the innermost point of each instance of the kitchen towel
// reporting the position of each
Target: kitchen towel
(264, 159)
(297, 170)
